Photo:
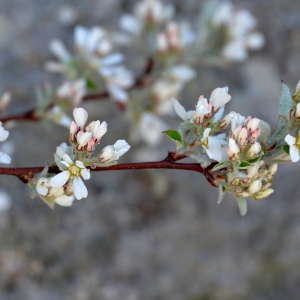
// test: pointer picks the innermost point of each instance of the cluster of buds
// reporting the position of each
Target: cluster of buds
(255, 181)
(147, 13)
(86, 138)
(75, 161)
(243, 144)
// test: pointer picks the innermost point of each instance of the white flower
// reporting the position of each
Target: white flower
(62, 149)
(43, 186)
(214, 146)
(111, 153)
(151, 128)
(202, 109)
(72, 91)
(4, 101)
(97, 129)
(181, 73)
(117, 80)
(83, 138)
(60, 51)
(80, 117)
(234, 118)
(4, 158)
(58, 116)
(294, 143)
(73, 172)
(219, 97)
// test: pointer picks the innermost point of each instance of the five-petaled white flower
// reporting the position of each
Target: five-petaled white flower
(73, 172)
(294, 143)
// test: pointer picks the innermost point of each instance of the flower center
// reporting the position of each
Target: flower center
(74, 171)
(205, 143)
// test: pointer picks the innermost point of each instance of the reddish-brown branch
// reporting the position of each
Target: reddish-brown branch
(26, 174)
(140, 81)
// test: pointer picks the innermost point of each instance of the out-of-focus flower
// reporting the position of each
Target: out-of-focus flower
(72, 91)
(4, 101)
(4, 158)
(5, 201)
(239, 25)
(117, 80)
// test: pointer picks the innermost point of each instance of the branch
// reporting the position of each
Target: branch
(25, 174)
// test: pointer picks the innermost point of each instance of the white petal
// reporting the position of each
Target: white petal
(4, 158)
(3, 134)
(58, 49)
(59, 179)
(85, 173)
(80, 190)
(80, 164)
(121, 147)
(180, 110)
(294, 154)
(290, 140)
(64, 200)
(112, 59)
(67, 159)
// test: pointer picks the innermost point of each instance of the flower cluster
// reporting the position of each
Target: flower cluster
(240, 168)
(238, 25)
(75, 161)
(93, 60)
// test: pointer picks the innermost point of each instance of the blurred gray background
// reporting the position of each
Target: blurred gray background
(153, 234)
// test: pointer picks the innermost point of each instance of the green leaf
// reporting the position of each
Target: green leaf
(253, 160)
(242, 203)
(221, 194)
(286, 149)
(244, 164)
(173, 135)
(201, 158)
(221, 166)
(91, 85)
(285, 105)
(265, 130)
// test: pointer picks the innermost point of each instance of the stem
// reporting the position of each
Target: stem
(25, 174)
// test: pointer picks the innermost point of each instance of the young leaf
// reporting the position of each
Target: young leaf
(173, 135)
(221, 165)
(285, 105)
(91, 85)
(286, 149)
